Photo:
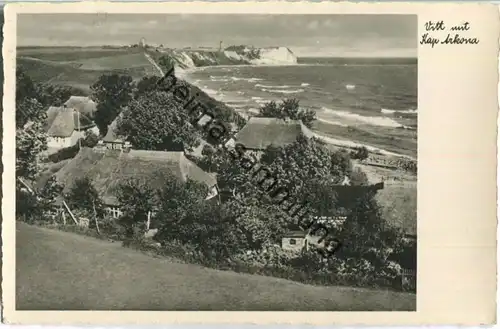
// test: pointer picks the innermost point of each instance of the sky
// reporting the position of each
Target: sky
(306, 35)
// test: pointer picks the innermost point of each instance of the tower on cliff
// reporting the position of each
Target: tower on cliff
(220, 45)
(143, 43)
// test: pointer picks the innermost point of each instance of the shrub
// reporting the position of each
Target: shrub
(409, 165)
(65, 153)
(360, 153)
(27, 207)
(90, 139)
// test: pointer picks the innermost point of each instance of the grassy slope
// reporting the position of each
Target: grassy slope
(63, 271)
(80, 67)
(398, 199)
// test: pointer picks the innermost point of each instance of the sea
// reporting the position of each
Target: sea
(373, 102)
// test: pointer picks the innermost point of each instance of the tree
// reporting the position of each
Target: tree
(49, 193)
(271, 110)
(156, 121)
(178, 198)
(84, 196)
(29, 110)
(27, 206)
(91, 139)
(288, 109)
(360, 153)
(306, 160)
(25, 87)
(51, 190)
(137, 199)
(31, 140)
(111, 92)
(145, 85)
(55, 95)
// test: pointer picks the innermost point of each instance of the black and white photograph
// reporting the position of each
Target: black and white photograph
(216, 162)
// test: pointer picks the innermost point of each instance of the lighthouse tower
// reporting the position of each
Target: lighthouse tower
(142, 44)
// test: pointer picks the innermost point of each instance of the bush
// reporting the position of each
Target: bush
(409, 165)
(65, 153)
(27, 207)
(112, 229)
(360, 153)
(90, 139)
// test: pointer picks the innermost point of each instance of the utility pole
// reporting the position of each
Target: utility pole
(79, 139)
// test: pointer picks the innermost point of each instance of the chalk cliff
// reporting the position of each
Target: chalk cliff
(265, 56)
(233, 55)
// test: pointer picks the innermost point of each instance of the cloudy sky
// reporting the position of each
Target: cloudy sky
(306, 35)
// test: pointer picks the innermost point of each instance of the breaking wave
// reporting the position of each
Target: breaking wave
(210, 91)
(219, 78)
(332, 122)
(262, 101)
(374, 121)
(389, 111)
(283, 91)
(267, 86)
(246, 79)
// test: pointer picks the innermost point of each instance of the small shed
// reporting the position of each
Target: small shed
(294, 240)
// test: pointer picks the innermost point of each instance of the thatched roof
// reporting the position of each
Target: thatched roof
(108, 168)
(295, 234)
(61, 122)
(82, 104)
(260, 133)
(111, 135)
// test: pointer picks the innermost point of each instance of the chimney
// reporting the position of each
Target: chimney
(100, 147)
(127, 147)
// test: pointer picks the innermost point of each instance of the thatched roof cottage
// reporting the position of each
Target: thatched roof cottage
(259, 133)
(108, 168)
(65, 126)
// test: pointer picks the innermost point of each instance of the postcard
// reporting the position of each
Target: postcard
(251, 162)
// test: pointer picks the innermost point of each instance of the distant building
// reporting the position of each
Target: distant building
(143, 43)
(112, 140)
(65, 126)
(107, 169)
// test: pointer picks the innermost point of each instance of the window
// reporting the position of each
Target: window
(114, 212)
(293, 241)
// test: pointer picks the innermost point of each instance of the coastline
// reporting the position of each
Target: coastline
(185, 74)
